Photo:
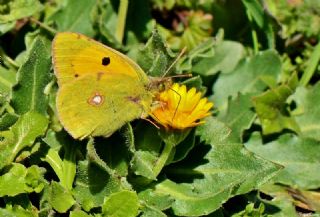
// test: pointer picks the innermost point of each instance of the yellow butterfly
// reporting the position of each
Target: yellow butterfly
(100, 89)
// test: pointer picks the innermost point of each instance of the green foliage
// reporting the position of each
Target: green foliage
(256, 155)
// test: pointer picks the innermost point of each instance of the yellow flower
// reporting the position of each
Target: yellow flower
(180, 109)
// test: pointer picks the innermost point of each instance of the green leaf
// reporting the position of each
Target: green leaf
(19, 179)
(155, 202)
(252, 75)
(16, 211)
(79, 213)
(33, 76)
(282, 203)
(148, 145)
(105, 17)
(75, 16)
(21, 135)
(271, 108)
(195, 57)
(257, 14)
(155, 58)
(213, 131)
(307, 112)
(7, 80)
(60, 198)
(7, 120)
(239, 116)
(188, 203)
(220, 61)
(121, 204)
(18, 9)
(152, 212)
(143, 164)
(300, 156)
(256, 11)
(215, 173)
(92, 184)
(6, 27)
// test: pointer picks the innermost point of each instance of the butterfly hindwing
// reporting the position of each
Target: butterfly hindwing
(100, 107)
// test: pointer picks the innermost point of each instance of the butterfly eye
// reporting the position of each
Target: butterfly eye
(105, 61)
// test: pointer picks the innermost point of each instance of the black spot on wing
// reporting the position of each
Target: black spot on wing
(105, 61)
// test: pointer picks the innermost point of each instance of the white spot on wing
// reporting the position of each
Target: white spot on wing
(96, 100)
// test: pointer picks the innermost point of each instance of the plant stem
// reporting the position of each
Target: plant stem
(122, 15)
(162, 159)
(254, 35)
(312, 65)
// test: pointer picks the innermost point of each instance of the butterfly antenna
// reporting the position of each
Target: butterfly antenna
(42, 25)
(175, 111)
(175, 61)
(150, 121)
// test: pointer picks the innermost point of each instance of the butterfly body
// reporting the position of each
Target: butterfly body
(100, 89)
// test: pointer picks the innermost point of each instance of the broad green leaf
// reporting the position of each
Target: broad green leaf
(54, 160)
(220, 61)
(184, 148)
(22, 201)
(282, 204)
(7, 120)
(121, 204)
(16, 211)
(271, 108)
(148, 146)
(155, 58)
(213, 131)
(79, 213)
(143, 164)
(147, 138)
(92, 185)
(215, 173)
(155, 202)
(307, 112)
(17, 9)
(6, 27)
(21, 135)
(60, 198)
(199, 54)
(151, 212)
(75, 16)
(33, 76)
(7, 80)
(117, 143)
(299, 156)
(19, 179)
(45, 207)
(239, 116)
(252, 75)
(256, 11)
(188, 203)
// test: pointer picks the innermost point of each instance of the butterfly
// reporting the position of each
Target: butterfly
(100, 89)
